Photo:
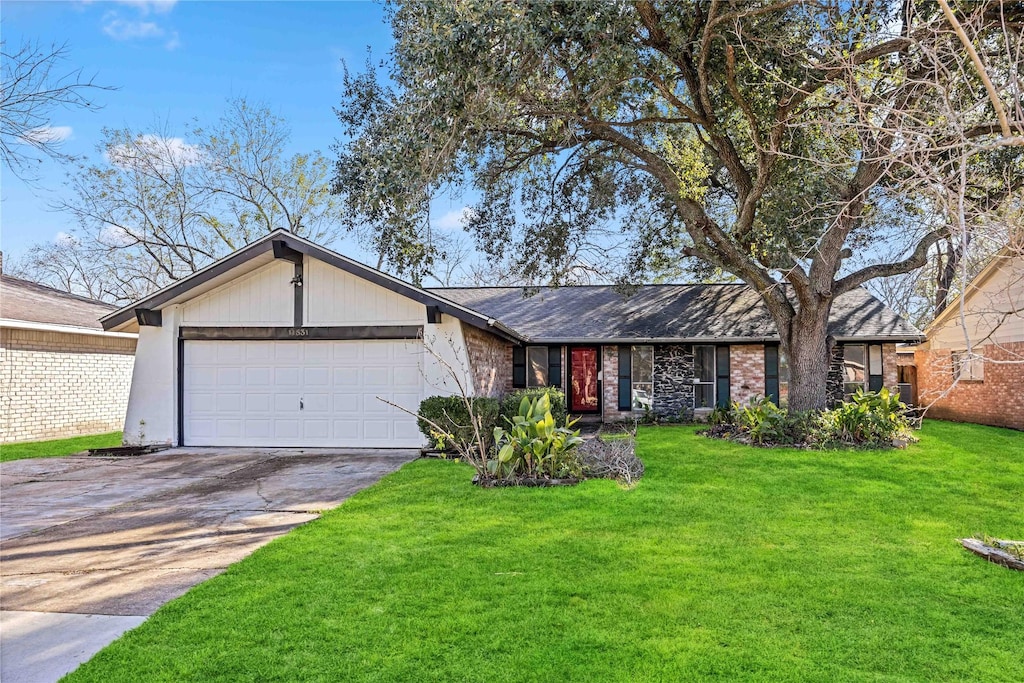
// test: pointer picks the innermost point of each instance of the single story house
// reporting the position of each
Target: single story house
(285, 343)
(983, 385)
(61, 374)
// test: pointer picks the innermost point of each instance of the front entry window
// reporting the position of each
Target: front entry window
(584, 380)
(642, 364)
(536, 366)
(704, 376)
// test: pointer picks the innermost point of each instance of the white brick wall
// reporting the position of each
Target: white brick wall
(54, 384)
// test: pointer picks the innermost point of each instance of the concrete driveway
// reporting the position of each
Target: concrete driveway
(90, 546)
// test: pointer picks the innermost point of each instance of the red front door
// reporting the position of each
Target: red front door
(583, 394)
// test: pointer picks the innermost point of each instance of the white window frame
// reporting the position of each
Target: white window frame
(968, 368)
(646, 401)
(698, 382)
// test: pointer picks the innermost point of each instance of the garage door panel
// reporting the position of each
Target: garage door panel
(258, 376)
(228, 403)
(287, 377)
(346, 403)
(248, 393)
(316, 377)
(257, 429)
(316, 403)
(258, 353)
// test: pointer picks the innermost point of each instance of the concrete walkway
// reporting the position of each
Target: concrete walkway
(89, 546)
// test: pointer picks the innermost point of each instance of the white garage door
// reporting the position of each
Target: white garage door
(301, 393)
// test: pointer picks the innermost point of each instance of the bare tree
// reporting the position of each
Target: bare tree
(35, 86)
(160, 207)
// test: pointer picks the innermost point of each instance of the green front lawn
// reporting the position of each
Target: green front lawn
(49, 449)
(725, 562)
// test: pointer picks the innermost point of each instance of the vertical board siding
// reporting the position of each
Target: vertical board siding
(334, 297)
(262, 297)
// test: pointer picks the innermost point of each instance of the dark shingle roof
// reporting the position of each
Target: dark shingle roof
(665, 312)
(32, 302)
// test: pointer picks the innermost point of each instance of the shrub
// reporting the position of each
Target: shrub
(722, 415)
(451, 414)
(533, 445)
(510, 403)
(869, 418)
(766, 423)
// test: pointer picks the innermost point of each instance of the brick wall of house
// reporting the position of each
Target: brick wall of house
(997, 400)
(54, 384)
(889, 364)
(746, 372)
(610, 390)
(490, 361)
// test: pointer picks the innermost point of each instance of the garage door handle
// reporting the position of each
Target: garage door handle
(301, 404)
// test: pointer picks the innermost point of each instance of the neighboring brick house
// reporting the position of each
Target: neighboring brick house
(286, 343)
(986, 383)
(61, 374)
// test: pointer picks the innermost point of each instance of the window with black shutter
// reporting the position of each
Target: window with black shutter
(555, 366)
(518, 367)
(625, 378)
(771, 373)
(722, 376)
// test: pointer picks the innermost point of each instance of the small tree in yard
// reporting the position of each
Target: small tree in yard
(805, 147)
(476, 450)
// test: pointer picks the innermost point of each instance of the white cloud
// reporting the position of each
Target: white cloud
(48, 135)
(126, 29)
(65, 239)
(454, 220)
(144, 6)
(173, 42)
(155, 151)
(115, 236)
(147, 6)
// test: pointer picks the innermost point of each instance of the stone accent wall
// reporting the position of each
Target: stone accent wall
(834, 383)
(746, 372)
(996, 400)
(54, 384)
(673, 381)
(490, 361)
(610, 386)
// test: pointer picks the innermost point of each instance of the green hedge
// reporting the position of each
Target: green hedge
(450, 413)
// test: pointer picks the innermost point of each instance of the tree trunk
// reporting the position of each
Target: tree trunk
(806, 349)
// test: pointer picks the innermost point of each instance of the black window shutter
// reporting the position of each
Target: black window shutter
(625, 378)
(555, 366)
(722, 375)
(518, 367)
(771, 373)
(874, 381)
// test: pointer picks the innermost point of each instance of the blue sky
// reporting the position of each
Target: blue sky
(175, 61)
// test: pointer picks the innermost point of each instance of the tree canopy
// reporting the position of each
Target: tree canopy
(805, 147)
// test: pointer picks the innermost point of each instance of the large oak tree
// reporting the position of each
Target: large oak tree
(804, 147)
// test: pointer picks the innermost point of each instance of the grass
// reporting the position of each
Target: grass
(725, 562)
(57, 447)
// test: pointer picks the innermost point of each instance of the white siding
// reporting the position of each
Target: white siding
(334, 297)
(262, 297)
(993, 311)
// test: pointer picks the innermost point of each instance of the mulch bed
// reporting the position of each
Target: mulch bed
(495, 482)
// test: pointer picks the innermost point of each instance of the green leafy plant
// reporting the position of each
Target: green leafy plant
(871, 418)
(445, 420)
(722, 415)
(764, 422)
(534, 444)
(511, 401)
